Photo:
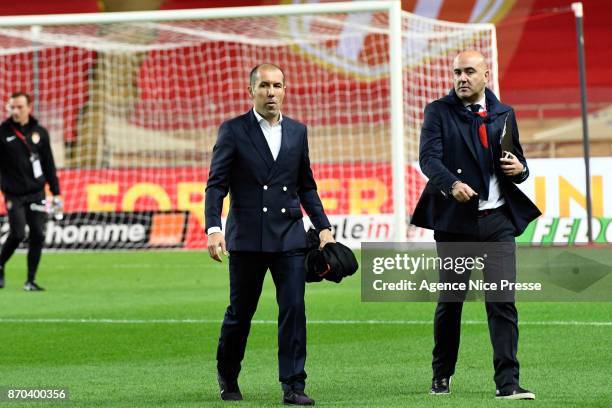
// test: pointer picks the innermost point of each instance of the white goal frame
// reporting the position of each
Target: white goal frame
(392, 7)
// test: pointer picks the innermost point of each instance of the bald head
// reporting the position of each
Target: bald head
(471, 57)
(471, 75)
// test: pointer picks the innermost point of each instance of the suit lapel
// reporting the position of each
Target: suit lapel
(464, 130)
(259, 142)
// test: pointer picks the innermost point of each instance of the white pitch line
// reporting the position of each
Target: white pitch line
(274, 322)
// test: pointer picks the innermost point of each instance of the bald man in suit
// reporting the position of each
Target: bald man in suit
(470, 197)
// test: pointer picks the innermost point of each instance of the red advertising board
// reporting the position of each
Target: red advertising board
(351, 189)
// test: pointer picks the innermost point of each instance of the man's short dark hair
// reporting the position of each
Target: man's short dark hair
(253, 73)
(24, 94)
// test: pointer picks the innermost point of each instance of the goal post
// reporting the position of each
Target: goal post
(133, 101)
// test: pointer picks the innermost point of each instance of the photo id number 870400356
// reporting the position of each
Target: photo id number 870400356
(30, 394)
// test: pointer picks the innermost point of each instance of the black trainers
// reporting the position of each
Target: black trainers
(229, 390)
(32, 287)
(295, 397)
(517, 393)
(440, 386)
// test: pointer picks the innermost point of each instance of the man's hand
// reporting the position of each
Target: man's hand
(216, 243)
(325, 236)
(57, 208)
(462, 192)
(510, 165)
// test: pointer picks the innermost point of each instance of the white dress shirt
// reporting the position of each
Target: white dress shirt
(273, 135)
(495, 198)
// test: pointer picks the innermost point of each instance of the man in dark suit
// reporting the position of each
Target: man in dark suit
(471, 196)
(261, 159)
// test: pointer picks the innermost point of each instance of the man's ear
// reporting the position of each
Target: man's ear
(251, 91)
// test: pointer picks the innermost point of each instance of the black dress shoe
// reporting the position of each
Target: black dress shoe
(517, 393)
(229, 389)
(293, 397)
(440, 386)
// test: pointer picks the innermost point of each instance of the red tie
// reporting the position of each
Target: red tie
(482, 130)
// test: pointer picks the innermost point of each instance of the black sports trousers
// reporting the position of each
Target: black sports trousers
(22, 210)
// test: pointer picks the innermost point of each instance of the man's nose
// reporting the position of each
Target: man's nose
(463, 77)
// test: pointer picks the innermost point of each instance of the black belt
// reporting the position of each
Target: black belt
(489, 211)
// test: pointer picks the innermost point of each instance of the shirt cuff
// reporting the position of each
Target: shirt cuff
(212, 230)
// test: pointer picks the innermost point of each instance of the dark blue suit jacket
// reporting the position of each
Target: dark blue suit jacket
(265, 194)
(448, 153)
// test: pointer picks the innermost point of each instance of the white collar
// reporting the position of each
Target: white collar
(482, 103)
(260, 118)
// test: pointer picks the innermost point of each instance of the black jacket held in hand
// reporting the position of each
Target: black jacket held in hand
(334, 262)
(16, 172)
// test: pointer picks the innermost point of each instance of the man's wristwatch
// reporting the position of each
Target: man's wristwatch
(452, 187)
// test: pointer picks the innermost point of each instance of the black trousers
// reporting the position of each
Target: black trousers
(247, 271)
(502, 316)
(24, 210)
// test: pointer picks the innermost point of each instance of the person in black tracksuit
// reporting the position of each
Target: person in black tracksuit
(26, 164)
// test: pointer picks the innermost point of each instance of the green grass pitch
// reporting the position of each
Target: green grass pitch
(154, 320)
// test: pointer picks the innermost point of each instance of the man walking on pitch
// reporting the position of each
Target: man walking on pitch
(26, 164)
(261, 159)
(471, 196)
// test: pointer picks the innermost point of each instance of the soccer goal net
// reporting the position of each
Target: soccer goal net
(133, 102)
